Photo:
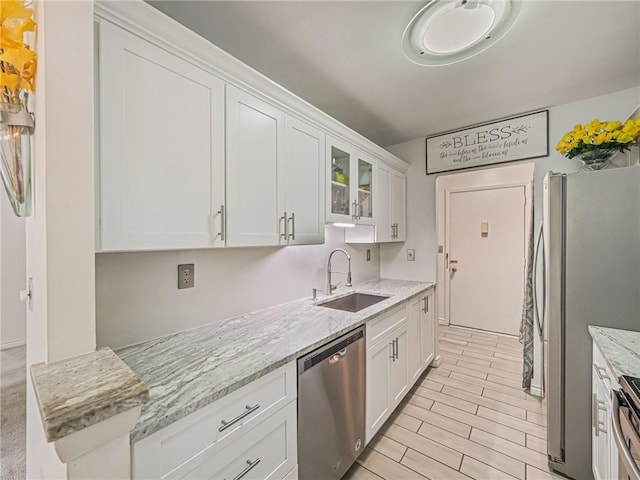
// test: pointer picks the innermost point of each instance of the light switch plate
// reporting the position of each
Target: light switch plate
(186, 275)
(411, 255)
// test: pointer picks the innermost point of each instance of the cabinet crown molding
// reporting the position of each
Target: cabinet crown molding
(145, 21)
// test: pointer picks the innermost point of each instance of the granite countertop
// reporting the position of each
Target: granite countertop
(621, 349)
(76, 393)
(191, 369)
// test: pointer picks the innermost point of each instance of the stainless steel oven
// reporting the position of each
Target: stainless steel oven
(626, 427)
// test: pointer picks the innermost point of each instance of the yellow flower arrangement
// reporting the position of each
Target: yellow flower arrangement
(18, 62)
(598, 136)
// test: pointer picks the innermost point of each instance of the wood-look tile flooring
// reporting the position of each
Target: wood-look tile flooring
(468, 418)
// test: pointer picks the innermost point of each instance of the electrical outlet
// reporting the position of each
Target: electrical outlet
(368, 254)
(411, 255)
(186, 275)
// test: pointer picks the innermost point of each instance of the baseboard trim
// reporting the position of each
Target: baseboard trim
(15, 343)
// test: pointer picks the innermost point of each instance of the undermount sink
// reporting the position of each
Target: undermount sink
(354, 302)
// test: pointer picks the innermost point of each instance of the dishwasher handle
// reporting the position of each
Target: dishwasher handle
(337, 347)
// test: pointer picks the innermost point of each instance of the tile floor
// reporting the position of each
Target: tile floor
(468, 418)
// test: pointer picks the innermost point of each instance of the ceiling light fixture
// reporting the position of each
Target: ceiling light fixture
(449, 31)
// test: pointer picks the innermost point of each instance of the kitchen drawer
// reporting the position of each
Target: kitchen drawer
(378, 327)
(204, 432)
(270, 447)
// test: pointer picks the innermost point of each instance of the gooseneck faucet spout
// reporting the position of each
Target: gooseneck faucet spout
(330, 287)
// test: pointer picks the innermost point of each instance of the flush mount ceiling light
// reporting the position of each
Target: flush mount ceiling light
(449, 31)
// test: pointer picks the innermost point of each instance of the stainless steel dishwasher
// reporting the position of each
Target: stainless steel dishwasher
(331, 402)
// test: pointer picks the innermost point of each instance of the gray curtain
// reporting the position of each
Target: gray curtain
(526, 325)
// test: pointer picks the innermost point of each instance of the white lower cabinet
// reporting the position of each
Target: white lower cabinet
(400, 346)
(387, 367)
(604, 451)
(267, 452)
(422, 337)
(252, 431)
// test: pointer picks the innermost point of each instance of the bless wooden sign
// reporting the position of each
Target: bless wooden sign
(508, 140)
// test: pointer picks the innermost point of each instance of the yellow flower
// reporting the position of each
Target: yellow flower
(10, 9)
(567, 137)
(561, 146)
(587, 138)
(10, 81)
(577, 128)
(611, 126)
(625, 138)
(600, 138)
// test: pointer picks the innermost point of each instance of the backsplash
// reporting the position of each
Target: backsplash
(137, 297)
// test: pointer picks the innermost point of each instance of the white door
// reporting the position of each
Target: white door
(383, 201)
(487, 252)
(255, 149)
(398, 201)
(377, 385)
(304, 183)
(161, 163)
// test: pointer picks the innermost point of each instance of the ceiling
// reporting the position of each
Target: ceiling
(345, 58)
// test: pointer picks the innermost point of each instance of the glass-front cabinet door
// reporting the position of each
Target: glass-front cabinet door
(364, 202)
(350, 184)
(340, 177)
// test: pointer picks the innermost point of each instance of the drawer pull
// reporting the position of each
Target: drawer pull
(602, 373)
(247, 469)
(248, 410)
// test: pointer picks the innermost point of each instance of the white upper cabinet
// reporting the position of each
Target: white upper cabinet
(255, 154)
(197, 150)
(161, 155)
(389, 206)
(350, 184)
(304, 183)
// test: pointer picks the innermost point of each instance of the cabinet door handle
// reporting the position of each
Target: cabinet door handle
(602, 372)
(292, 219)
(284, 226)
(424, 308)
(396, 348)
(601, 407)
(594, 414)
(247, 469)
(354, 207)
(393, 350)
(235, 420)
(222, 223)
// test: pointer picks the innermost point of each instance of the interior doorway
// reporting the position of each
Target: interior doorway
(483, 223)
(487, 258)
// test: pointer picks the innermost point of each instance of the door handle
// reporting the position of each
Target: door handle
(222, 223)
(396, 354)
(292, 219)
(354, 215)
(425, 309)
(393, 350)
(284, 230)
(247, 469)
(453, 265)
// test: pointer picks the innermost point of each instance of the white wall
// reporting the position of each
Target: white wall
(421, 217)
(13, 328)
(138, 299)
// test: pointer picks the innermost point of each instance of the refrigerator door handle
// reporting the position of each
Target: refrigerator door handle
(539, 247)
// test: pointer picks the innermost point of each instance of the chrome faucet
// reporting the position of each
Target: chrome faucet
(330, 287)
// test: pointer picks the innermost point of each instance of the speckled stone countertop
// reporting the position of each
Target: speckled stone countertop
(79, 392)
(621, 349)
(191, 369)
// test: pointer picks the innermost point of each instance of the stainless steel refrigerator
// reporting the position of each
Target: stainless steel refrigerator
(592, 256)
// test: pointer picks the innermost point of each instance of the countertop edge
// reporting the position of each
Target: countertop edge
(620, 359)
(147, 428)
(103, 386)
